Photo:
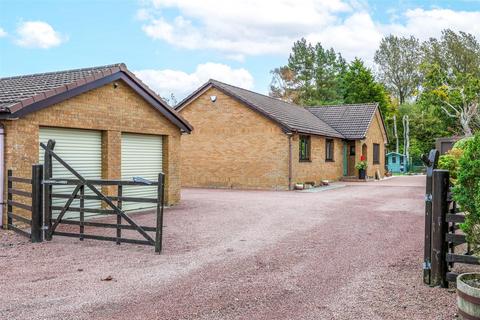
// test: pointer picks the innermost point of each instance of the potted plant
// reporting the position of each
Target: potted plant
(361, 166)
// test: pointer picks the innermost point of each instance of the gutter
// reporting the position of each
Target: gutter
(290, 135)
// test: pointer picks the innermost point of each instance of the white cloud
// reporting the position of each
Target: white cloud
(3, 33)
(166, 82)
(38, 34)
(247, 27)
(429, 23)
(251, 27)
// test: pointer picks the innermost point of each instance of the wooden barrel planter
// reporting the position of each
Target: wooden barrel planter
(468, 296)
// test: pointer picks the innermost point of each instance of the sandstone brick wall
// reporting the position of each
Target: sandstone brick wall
(111, 110)
(375, 134)
(232, 146)
(317, 169)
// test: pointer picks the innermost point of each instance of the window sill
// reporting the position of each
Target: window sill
(304, 160)
(376, 163)
(329, 160)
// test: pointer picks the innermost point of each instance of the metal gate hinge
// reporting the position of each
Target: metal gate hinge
(45, 228)
(427, 265)
(428, 197)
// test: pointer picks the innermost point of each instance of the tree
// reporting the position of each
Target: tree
(359, 86)
(454, 52)
(456, 94)
(398, 59)
(312, 75)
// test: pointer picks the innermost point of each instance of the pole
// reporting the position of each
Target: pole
(431, 163)
(440, 187)
(160, 203)
(47, 174)
(37, 203)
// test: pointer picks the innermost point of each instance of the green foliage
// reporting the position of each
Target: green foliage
(361, 165)
(454, 52)
(359, 86)
(450, 161)
(462, 143)
(313, 75)
(425, 126)
(453, 96)
(467, 190)
(398, 59)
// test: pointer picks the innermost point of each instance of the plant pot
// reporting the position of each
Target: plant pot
(361, 174)
(468, 296)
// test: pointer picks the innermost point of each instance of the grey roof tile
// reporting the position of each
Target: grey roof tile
(352, 120)
(19, 88)
(18, 94)
(290, 116)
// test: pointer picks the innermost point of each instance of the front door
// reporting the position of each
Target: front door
(351, 158)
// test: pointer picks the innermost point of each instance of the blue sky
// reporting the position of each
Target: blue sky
(175, 45)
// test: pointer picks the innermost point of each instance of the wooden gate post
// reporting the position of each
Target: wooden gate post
(37, 203)
(160, 203)
(431, 163)
(47, 174)
(440, 188)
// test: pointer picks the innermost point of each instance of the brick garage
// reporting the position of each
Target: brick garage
(243, 139)
(109, 99)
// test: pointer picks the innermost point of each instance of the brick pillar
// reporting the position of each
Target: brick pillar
(111, 158)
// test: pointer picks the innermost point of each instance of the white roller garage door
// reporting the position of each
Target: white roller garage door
(82, 150)
(141, 157)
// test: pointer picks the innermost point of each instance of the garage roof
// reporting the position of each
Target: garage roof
(348, 121)
(21, 95)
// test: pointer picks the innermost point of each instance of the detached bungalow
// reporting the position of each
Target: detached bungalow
(243, 139)
(106, 123)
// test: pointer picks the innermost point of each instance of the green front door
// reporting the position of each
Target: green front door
(345, 159)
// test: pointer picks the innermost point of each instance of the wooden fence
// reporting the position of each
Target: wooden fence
(445, 244)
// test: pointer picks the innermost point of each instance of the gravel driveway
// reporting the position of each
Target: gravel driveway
(347, 253)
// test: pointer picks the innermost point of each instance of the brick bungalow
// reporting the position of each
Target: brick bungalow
(106, 123)
(243, 139)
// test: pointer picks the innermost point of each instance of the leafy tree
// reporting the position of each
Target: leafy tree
(456, 94)
(312, 75)
(425, 126)
(398, 60)
(359, 86)
(454, 53)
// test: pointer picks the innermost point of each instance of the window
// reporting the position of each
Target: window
(401, 160)
(328, 149)
(352, 150)
(304, 148)
(394, 159)
(376, 153)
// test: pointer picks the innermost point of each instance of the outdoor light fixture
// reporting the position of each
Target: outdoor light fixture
(213, 98)
(115, 85)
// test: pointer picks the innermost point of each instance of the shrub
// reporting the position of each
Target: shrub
(450, 161)
(361, 165)
(467, 190)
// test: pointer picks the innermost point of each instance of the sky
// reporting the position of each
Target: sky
(176, 45)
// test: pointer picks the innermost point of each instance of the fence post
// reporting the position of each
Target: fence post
(37, 203)
(431, 163)
(47, 174)
(160, 203)
(9, 198)
(440, 188)
(119, 217)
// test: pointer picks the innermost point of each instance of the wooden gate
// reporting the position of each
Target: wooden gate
(445, 244)
(44, 225)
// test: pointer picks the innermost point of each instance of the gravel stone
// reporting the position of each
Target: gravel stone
(348, 253)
